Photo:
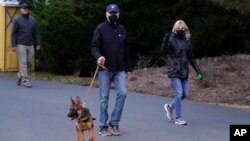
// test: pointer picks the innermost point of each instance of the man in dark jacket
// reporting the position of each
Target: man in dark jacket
(24, 37)
(109, 48)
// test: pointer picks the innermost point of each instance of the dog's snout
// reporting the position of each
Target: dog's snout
(69, 115)
(72, 113)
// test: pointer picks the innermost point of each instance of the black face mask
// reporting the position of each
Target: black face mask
(25, 15)
(180, 34)
(112, 19)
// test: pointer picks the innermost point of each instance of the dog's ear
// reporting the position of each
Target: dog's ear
(72, 101)
(78, 101)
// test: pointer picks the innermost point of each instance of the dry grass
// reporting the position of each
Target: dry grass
(225, 83)
(70, 79)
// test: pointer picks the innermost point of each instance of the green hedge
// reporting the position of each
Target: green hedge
(66, 32)
(67, 28)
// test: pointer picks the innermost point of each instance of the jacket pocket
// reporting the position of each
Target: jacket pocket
(173, 65)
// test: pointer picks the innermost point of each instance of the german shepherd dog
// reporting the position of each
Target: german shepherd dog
(84, 120)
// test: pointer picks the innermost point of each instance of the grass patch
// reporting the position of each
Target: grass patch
(69, 79)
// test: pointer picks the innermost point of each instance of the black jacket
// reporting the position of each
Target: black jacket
(24, 31)
(110, 41)
(179, 54)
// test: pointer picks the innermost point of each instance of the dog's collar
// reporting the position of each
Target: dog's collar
(86, 114)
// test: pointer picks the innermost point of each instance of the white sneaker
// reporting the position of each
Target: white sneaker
(104, 132)
(169, 111)
(180, 122)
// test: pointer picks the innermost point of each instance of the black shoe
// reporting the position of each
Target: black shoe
(115, 129)
(104, 132)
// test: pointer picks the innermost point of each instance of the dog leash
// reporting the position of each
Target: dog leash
(92, 81)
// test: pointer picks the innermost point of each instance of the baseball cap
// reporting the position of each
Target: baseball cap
(112, 8)
(24, 5)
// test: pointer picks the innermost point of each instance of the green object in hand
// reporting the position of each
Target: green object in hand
(199, 76)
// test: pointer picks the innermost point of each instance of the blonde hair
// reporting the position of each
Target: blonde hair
(187, 32)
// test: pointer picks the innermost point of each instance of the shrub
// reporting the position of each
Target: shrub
(65, 30)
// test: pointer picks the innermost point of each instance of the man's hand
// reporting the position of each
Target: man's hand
(38, 48)
(128, 74)
(101, 61)
(14, 49)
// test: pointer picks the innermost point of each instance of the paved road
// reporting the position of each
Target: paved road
(39, 114)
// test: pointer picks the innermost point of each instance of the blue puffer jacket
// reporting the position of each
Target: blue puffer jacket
(179, 54)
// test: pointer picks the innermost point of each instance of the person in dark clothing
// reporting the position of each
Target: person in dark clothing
(109, 48)
(179, 55)
(24, 37)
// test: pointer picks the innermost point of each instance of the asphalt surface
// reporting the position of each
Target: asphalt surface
(39, 114)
